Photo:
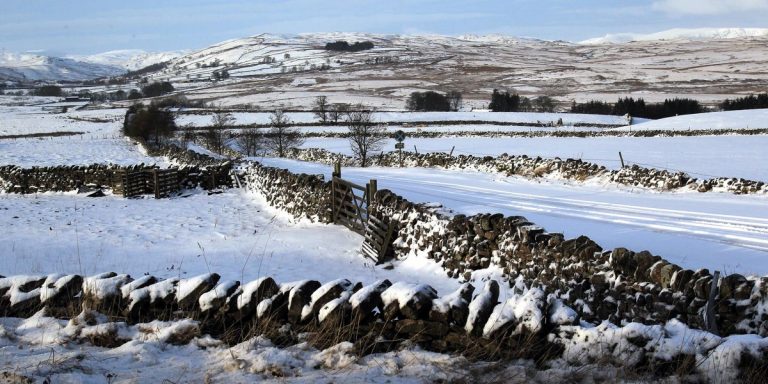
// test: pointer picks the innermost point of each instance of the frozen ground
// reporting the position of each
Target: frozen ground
(717, 231)
(234, 234)
(699, 156)
(101, 141)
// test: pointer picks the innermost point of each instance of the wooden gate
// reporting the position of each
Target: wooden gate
(349, 203)
(129, 183)
(164, 182)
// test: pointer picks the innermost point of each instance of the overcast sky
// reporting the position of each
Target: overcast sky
(90, 26)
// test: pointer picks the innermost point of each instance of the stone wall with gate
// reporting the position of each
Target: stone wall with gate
(619, 285)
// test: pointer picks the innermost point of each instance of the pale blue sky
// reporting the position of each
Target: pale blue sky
(90, 26)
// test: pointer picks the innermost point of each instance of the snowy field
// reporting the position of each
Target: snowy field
(100, 141)
(699, 156)
(717, 231)
(234, 234)
(748, 119)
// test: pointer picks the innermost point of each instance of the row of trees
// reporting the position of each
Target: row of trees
(639, 108)
(747, 102)
(330, 113)
(366, 136)
(344, 46)
(512, 102)
(434, 101)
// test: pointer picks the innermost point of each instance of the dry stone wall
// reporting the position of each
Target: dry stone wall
(302, 195)
(619, 285)
(538, 167)
(194, 170)
(375, 317)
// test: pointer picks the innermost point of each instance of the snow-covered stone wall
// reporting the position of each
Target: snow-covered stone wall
(302, 195)
(194, 170)
(538, 167)
(528, 323)
(617, 285)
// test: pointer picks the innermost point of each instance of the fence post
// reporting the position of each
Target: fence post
(709, 311)
(157, 184)
(372, 188)
(415, 150)
(622, 159)
(451, 154)
(333, 196)
(337, 169)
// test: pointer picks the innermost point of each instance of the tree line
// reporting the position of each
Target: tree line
(639, 108)
(747, 102)
(433, 101)
(512, 102)
(343, 46)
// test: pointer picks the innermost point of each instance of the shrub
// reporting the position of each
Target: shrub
(428, 101)
(49, 90)
(148, 123)
(157, 89)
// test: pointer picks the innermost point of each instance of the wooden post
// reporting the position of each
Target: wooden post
(337, 169)
(372, 188)
(709, 311)
(451, 154)
(157, 184)
(622, 159)
(333, 196)
(415, 150)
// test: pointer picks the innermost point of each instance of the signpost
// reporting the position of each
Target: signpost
(400, 137)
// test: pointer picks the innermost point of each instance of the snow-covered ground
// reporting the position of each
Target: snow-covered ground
(699, 156)
(716, 231)
(234, 234)
(737, 120)
(100, 141)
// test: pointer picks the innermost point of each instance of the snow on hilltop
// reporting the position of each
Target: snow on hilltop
(31, 67)
(680, 34)
(129, 59)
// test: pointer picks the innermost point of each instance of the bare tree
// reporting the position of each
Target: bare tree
(337, 112)
(366, 136)
(250, 141)
(454, 99)
(187, 136)
(214, 135)
(321, 108)
(281, 136)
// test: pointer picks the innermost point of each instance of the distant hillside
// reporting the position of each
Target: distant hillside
(681, 34)
(33, 67)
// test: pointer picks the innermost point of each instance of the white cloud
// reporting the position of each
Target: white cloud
(709, 7)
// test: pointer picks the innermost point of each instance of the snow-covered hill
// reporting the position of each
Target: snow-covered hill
(129, 59)
(289, 71)
(32, 67)
(680, 34)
